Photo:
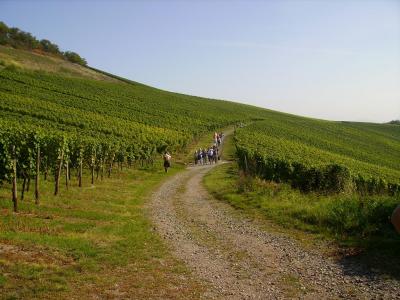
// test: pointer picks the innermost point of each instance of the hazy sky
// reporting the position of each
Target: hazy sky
(337, 59)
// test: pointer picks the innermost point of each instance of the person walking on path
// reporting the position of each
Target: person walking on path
(215, 137)
(200, 156)
(216, 154)
(205, 156)
(210, 155)
(167, 161)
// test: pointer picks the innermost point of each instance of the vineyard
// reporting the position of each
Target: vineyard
(316, 155)
(286, 207)
(55, 125)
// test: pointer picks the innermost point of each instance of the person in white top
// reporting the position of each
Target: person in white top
(210, 155)
(167, 161)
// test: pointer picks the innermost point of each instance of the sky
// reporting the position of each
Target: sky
(335, 60)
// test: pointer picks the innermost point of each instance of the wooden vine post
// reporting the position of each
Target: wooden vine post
(245, 164)
(28, 184)
(14, 180)
(66, 174)
(58, 172)
(111, 165)
(101, 168)
(92, 166)
(37, 195)
(23, 186)
(80, 170)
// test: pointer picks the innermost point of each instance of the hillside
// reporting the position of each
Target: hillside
(367, 150)
(41, 91)
(103, 218)
(105, 106)
(36, 61)
(19, 39)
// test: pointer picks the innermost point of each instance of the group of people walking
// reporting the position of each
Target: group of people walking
(206, 156)
(211, 155)
(203, 156)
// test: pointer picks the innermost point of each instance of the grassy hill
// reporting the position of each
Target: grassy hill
(60, 118)
(368, 150)
(30, 60)
(38, 94)
(44, 92)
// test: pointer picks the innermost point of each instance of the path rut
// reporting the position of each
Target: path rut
(238, 260)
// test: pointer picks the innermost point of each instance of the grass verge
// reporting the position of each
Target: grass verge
(228, 149)
(90, 241)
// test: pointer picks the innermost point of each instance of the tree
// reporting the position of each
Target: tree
(74, 58)
(3, 34)
(48, 46)
(17, 38)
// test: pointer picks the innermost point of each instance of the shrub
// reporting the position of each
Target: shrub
(336, 178)
(359, 215)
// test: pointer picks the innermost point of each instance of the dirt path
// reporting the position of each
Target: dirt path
(237, 260)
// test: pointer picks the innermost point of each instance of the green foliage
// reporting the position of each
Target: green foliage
(74, 58)
(315, 155)
(19, 39)
(84, 238)
(124, 121)
(3, 33)
(96, 124)
(362, 216)
(338, 215)
(49, 47)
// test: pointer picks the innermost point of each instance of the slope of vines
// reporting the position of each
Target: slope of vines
(321, 155)
(50, 124)
(86, 101)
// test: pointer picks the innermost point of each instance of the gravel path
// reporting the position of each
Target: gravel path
(238, 260)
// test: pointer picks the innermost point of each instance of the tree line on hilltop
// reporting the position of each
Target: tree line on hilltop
(16, 38)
